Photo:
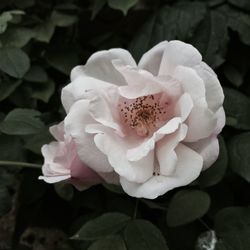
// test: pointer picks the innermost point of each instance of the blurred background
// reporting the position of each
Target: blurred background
(40, 42)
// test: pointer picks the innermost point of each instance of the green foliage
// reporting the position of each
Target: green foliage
(14, 62)
(40, 42)
(104, 225)
(239, 158)
(232, 226)
(143, 235)
(187, 206)
(22, 122)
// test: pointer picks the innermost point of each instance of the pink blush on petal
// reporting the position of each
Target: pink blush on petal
(145, 114)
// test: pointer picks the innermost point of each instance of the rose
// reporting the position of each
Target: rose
(61, 162)
(154, 124)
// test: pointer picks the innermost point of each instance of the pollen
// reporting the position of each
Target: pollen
(144, 114)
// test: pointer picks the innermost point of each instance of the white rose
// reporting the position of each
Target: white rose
(154, 124)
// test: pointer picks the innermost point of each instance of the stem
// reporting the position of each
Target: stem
(20, 164)
(136, 208)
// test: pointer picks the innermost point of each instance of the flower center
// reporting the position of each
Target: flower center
(144, 114)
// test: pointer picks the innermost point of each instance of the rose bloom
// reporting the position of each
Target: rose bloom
(152, 126)
(62, 163)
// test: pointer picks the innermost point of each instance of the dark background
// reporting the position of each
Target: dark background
(40, 42)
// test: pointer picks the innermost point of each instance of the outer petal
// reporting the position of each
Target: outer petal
(165, 153)
(188, 168)
(221, 120)
(115, 148)
(151, 60)
(76, 90)
(99, 66)
(57, 131)
(208, 148)
(214, 92)
(178, 53)
(75, 123)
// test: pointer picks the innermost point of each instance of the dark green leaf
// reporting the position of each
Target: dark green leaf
(238, 21)
(109, 243)
(7, 87)
(6, 17)
(237, 108)
(104, 225)
(22, 122)
(64, 190)
(97, 6)
(62, 20)
(5, 198)
(233, 75)
(62, 60)
(14, 62)
(122, 5)
(211, 38)
(239, 157)
(215, 173)
(232, 226)
(45, 31)
(36, 74)
(168, 23)
(43, 91)
(244, 4)
(16, 37)
(187, 206)
(35, 142)
(143, 235)
(11, 148)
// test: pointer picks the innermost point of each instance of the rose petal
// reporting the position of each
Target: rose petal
(76, 90)
(75, 123)
(151, 60)
(214, 92)
(221, 120)
(100, 66)
(208, 148)
(188, 168)
(178, 53)
(165, 153)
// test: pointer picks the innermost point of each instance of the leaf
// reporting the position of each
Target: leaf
(44, 31)
(97, 6)
(237, 108)
(233, 75)
(5, 198)
(122, 5)
(36, 74)
(244, 4)
(143, 235)
(6, 17)
(239, 157)
(109, 243)
(14, 62)
(211, 38)
(176, 22)
(22, 122)
(7, 87)
(232, 226)
(43, 91)
(102, 226)
(11, 148)
(216, 172)
(62, 20)
(16, 37)
(187, 206)
(113, 188)
(64, 190)
(35, 142)
(62, 60)
(238, 21)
